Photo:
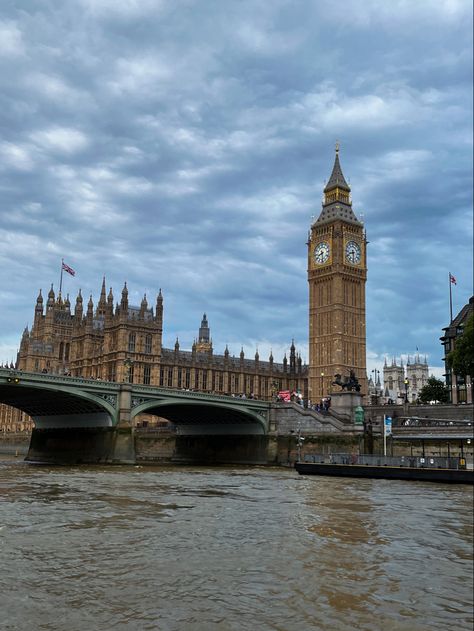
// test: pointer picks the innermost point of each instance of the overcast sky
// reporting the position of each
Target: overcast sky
(185, 144)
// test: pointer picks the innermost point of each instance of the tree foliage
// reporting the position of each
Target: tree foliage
(434, 390)
(461, 359)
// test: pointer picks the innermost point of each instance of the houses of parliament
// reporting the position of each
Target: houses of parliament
(117, 341)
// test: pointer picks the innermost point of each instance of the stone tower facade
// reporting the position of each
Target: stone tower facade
(417, 375)
(400, 380)
(337, 273)
(393, 381)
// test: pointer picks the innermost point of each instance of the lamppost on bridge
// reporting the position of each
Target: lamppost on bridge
(322, 385)
(406, 390)
(128, 363)
(376, 374)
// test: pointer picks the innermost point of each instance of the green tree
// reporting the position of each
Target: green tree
(434, 390)
(461, 359)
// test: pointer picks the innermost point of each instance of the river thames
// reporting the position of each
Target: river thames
(230, 549)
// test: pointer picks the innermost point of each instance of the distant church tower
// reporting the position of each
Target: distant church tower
(337, 273)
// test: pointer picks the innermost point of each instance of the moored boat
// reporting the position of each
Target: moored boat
(434, 469)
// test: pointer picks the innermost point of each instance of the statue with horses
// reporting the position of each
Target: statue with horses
(351, 383)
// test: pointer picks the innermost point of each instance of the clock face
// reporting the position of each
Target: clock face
(321, 252)
(353, 253)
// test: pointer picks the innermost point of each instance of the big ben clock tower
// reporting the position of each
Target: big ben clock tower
(337, 273)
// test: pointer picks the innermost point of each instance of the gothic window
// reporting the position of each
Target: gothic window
(180, 377)
(148, 342)
(131, 373)
(146, 375)
(66, 352)
(162, 376)
(170, 377)
(390, 383)
(221, 382)
(213, 381)
(196, 379)
(187, 379)
(414, 381)
(36, 364)
(204, 379)
(131, 342)
(61, 350)
(111, 372)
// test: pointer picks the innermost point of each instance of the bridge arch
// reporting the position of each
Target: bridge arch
(57, 405)
(200, 416)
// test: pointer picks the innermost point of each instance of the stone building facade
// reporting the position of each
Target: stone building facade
(400, 380)
(460, 388)
(124, 343)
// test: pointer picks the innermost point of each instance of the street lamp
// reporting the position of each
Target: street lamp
(322, 385)
(376, 373)
(406, 389)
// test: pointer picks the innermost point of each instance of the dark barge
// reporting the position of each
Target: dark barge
(436, 469)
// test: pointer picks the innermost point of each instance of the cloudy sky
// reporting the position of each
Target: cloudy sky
(184, 144)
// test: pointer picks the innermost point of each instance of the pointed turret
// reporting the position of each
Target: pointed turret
(226, 352)
(203, 343)
(67, 304)
(78, 308)
(337, 202)
(176, 346)
(51, 298)
(337, 179)
(102, 304)
(257, 356)
(124, 301)
(90, 309)
(110, 304)
(292, 356)
(143, 308)
(159, 308)
(242, 354)
(39, 306)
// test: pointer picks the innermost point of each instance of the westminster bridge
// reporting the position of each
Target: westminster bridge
(88, 420)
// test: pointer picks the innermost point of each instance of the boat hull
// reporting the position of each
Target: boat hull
(456, 476)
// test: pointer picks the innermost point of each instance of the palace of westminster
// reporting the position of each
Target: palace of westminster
(121, 342)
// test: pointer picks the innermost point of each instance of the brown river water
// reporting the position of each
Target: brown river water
(230, 549)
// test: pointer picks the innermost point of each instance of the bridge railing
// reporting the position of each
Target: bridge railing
(375, 460)
(415, 421)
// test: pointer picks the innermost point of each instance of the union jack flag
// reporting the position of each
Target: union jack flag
(452, 279)
(68, 269)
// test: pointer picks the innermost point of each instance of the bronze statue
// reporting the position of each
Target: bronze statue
(351, 383)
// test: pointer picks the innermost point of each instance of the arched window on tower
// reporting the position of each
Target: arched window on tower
(131, 342)
(61, 350)
(148, 343)
(66, 352)
(146, 375)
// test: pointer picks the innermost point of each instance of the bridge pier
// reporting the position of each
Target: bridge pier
(124, 442)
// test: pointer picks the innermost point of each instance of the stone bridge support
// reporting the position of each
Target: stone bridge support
(124, 443)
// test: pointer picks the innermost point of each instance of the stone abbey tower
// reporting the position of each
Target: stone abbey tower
(337, 273)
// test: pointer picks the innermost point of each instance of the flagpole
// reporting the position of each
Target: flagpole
(61, 278)
(450, 299)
